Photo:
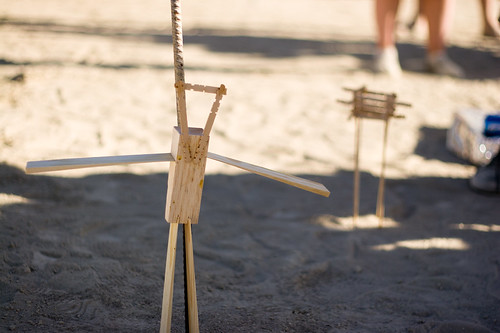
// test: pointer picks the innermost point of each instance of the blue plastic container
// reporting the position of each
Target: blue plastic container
(492, 125)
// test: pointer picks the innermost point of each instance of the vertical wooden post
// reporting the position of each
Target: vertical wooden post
(358, 105)
(192, 304)
(381, 185)
(168, 286)
(357, 124)
(178, 46)
(185, 186)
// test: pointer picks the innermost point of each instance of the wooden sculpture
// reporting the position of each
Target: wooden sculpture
(371, 105)
(189, 153)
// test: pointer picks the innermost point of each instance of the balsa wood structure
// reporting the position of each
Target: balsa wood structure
(188, 157)
(379, 106)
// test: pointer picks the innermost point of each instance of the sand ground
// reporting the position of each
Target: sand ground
(84, 250)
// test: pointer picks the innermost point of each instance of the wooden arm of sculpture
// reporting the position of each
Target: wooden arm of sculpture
(301, 183)
(88, 162)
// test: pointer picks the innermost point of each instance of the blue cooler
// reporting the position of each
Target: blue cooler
(475, 135)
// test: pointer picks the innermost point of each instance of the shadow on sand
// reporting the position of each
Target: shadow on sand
(88, 254)
(477, 63)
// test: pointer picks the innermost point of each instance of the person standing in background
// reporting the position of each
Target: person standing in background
(490, 13)
(439, 14)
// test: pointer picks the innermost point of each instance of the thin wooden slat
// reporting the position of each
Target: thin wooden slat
(88, 162)
(356, 171)
(203, 88)
(168, 286)
(178, 47)
(381, 186)
(364, 90)
(373, 104)
(182, 114)
(378, 116)
(210, 122)
(301, 183)
(213, 112)
(367, 93)
(352, 102)
(192, 303)
(344, 102)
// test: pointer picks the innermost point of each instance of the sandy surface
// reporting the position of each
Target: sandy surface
(84, 250)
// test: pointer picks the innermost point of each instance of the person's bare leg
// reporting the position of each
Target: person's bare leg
(385, 18)
(439, 15)
(489, 13)
(386, 57)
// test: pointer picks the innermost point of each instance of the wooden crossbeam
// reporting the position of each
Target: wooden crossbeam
(373, 95)
(373, 105)
(375, 114)
(301, 183)
(207, 89)
(88, 162)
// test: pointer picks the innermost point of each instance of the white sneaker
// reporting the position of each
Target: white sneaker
(386, 61)
(439, 63)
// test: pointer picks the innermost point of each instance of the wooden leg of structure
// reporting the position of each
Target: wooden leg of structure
(381, 185)
(356, 172)
(190, 281)
(168, 287)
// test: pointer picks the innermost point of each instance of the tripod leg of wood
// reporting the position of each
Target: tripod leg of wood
(381, 184)
(356, 172)
(190, 281)
(168, 287)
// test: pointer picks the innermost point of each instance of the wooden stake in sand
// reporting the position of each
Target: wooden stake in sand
(371, 105)
(189, 153)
